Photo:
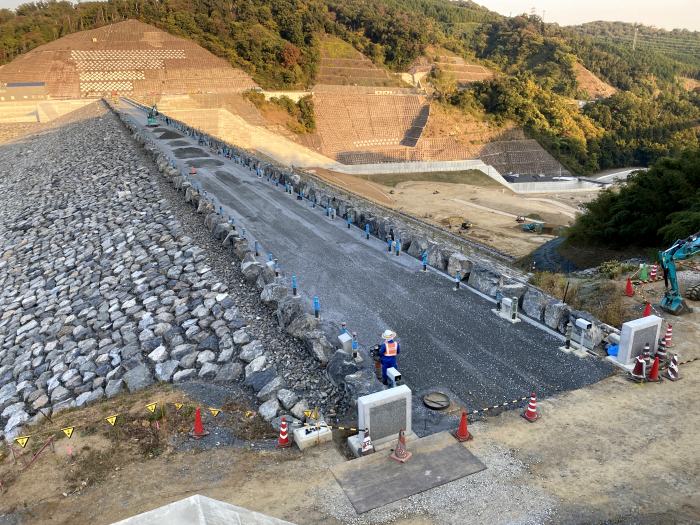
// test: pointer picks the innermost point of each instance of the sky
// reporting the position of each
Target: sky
(667, 14)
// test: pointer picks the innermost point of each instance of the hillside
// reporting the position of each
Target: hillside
(517, 70)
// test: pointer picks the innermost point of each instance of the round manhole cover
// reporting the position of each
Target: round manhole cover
(436, 400)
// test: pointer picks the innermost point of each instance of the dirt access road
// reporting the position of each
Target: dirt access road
(490, 209)
(614, 452)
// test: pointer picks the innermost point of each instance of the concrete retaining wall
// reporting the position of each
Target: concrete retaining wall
(421, 167)
(563, 186)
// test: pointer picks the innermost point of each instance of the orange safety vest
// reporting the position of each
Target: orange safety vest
(391, 348)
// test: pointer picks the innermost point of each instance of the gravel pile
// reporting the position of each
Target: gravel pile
(103, 289)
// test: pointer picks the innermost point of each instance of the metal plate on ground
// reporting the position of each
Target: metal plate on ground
(373, 481)
(436, 400)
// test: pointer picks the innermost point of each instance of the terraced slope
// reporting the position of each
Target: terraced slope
(127, 58)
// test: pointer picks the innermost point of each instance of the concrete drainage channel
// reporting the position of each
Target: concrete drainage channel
(485, 278)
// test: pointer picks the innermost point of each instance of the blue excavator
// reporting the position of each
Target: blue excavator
(672, 300)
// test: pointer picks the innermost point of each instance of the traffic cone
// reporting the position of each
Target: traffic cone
(672, 371)
(654, 373)
(654, 270)
(646, 355)
(629, 289)
(462, 434)
(639, 372)
(198, 432)
(401, 454)
(193, 170)
(661, 352)
(647, 310)
(531, 413)
(668, 338)
(283, 440)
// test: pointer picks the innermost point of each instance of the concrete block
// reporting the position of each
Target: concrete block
(635, 334)
(307, 437)
(385, 413)
(345, 340)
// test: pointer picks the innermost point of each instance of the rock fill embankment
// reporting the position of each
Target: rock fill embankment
(101, 290)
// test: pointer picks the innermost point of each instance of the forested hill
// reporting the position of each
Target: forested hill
(277, 42)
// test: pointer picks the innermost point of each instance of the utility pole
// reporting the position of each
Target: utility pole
(634, 41)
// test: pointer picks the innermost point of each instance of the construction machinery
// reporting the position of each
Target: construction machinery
(152, 114)
(672, 300)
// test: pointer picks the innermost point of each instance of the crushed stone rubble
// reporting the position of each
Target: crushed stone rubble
(105, 286)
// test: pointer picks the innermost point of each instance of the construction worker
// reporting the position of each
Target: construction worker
(388, 351)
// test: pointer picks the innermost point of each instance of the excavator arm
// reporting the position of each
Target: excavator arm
(672, 301)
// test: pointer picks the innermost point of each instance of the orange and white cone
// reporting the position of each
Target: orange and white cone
(639, 372)
(198, 432)
(401, 454)
(654, 270)
(668, 338)
(462, 433)
(654, 372)
(283, 440)
(672, 371)
(531, 413)
(193, 170)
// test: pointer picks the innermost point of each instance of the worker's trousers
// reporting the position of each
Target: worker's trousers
(387, 362)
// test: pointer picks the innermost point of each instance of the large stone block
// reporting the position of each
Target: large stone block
(458, 262)
(534, 302)
(556, 314)
(484, 279)
(438, 256)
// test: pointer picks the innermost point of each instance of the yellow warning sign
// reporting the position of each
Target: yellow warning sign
(22, 440)
(112, 419)
(68, 431)
(151, 407)
(178, 406)
(307, 413)
(214, 411)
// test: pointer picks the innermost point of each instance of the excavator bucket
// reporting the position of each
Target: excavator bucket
(674, 304)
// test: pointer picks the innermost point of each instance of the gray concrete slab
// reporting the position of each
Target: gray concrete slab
(448, 339)
(376, 480)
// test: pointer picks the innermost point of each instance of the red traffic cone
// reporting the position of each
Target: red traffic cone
(193, 170)
(400, 453)
(283, 441)
(654, 373)
(672, 370)
(629, 289)
(198, 431)
(531, 413)
(647, 310)
(668, 338)
(639, 372)
(462, 434)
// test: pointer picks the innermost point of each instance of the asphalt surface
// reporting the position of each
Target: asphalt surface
(448, 339)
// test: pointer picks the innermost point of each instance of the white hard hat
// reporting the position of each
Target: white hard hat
(388, 334)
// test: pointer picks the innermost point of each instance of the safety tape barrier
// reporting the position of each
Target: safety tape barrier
(112, 421)
(492, 408)
(326, 425)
